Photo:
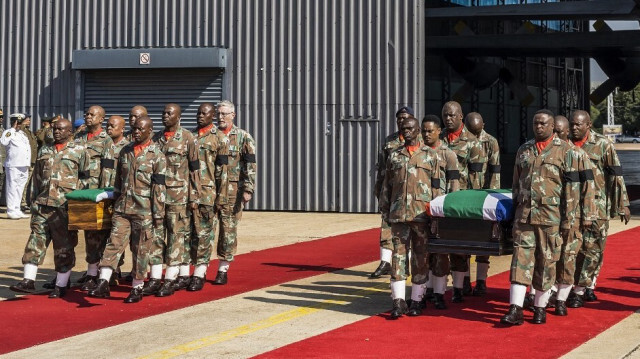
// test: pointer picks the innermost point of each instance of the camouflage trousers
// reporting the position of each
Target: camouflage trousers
(204, 225)
(49, 224)
(137, 232)
(442, 264)
(385, 236)
(412, 236)
(590, 257)
(566, 267)
(95, 241)
(536, 249)
(177, 227)
(230, 216)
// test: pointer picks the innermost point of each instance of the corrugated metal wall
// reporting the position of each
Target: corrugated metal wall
(296, 68)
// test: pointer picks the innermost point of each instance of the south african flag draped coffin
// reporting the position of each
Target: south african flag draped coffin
(474, 222)
(90, 209)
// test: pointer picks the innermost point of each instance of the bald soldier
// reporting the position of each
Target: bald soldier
(99, 147)
(139, 193)
(611, 201)
(60, 168)
(491, 180)
(136, 112)
(471, 160)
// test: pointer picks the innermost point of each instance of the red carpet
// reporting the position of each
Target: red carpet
(473, 329)
(35, 319)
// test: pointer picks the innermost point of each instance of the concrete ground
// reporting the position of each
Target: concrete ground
(258, 321)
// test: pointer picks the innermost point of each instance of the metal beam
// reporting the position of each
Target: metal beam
(573, 44)
(579, 10)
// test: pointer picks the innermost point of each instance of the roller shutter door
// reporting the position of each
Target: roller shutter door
(119, 90)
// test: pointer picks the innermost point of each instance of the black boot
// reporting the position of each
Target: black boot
(221, 278)
(575, 301)
(561, 308)
(167, 288)
(438, 301)
(466, 286)
(101, 290)
(539, 315)
(58, 292)
(152, 286)
(383, 269)
(514, 316)
(51, 284)
(415, 309)
(480, 289)
(529, 299)
(399, 308)
(135, 296)
(457, 295)
(24, 286)
(196, 284)
(182, 282)
(589, 295)
(90, 282)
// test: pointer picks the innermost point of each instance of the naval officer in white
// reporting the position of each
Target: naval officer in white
(16, 164)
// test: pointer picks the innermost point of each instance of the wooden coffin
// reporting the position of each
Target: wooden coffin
(86, 215)
(470, 236)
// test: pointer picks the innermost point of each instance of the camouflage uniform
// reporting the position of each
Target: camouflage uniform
(117, 148)
(572, 243)
(471, 162)
(491, 169)
(610, 198)
(448, 165)
(140, 199)
(183, 187)
(391, 143)
(26, 195)
(44, 136)
(213, 155)
(406, 190)
(546, 191)
(101, 174)
(242, 178)
(56, 173)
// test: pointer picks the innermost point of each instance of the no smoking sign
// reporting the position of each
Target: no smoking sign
(145, 58)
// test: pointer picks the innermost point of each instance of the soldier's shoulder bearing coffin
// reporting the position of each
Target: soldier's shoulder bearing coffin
(473, 222)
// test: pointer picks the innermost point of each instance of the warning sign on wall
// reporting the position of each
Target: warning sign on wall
(145, 58)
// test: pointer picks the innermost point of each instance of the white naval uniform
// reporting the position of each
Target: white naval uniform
(16, 166)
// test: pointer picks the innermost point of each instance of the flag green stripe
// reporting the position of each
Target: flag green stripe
(467, 204)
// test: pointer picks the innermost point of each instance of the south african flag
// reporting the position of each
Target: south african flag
(487, 204)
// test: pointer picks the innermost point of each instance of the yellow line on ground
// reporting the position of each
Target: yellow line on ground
(344, 299)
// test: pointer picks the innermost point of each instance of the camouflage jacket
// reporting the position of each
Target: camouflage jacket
(546, 186)
(100, 152)
(44, 136)
(117, 148)
(491, 168)
(408, 185)
(183, 166)
(611, 192)
(449, 174)
(391, 143)
(57, 173)
(140, 182)
(33, 142)
(588, 210)
(471, 159)
(213, 154)
(242, 159)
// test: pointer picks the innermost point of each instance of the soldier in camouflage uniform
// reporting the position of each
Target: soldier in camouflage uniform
(136, 112)
(546, 191)
(115, 130)
(566, 267)
(611, 201)
(491, 180)
(213, 155)
(449, 182)
(60, 169)
(44, 136)
(391, 143)
(242, 178)
(139, 209)
(101, 172)
(471, 161)
(412, 171)
(180, 148)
